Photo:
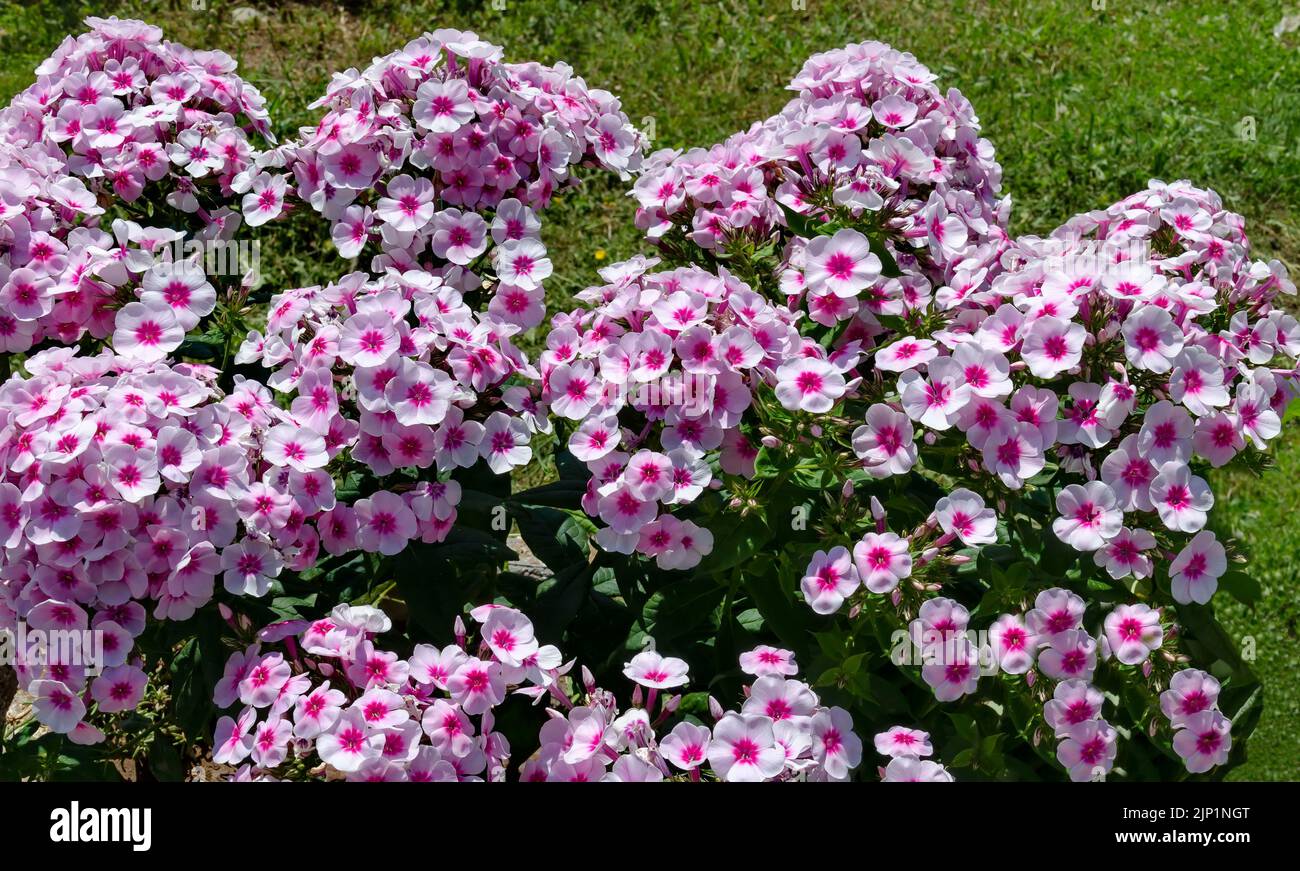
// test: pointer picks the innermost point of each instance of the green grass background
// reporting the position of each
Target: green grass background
(1084, 100)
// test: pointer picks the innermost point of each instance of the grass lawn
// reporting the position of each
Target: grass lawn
(1083, 106)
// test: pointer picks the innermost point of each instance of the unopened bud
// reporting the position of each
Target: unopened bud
(896, 596)
(637, 698)
(458, 631)
(588, 680)
(672, 703)
(770, 441)
(715, 709)
(929, 438)
(1031, 677)
(846, 492)
(877, 510)
(1146, 668)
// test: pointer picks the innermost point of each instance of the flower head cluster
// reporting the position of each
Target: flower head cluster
(334, 705)
(401, 373)
(118, 121)
(870, 140)
(656, 378)
(128, 486)
(437, 153)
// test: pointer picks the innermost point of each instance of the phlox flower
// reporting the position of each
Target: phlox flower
(906, 353)
(1073, 702)
(266, 677)
(317, 711)
(368, 339)
(1052, 346)
(409, 205)
(505, 442)
(882, 561)
(633, 769)
(935, 398)
(900, 741)
(1194, 574)
(147, 331)
(1217, 438)
(419, 393)
(1183, 500)
(385, 523)
(249, 566)
(119, 688)
(835, 746)
(952, 667)
(296, 447)
(56, 706)
(1204, 741)
(1133, 632)
(744, 749)
(350, 744)
(1014, 454)
(779, 699)
(459, 237)
(1055, 610)
(522, 263)
(1090, 515)
(906, 769)
(265, 200)
(655, 671)
(1128, 472)
(1151, 338)
(1088, 751)
(442, 106)
(962, 513)
(831, 577)
(1013, 644)
(1069, 655)
(509, 635)
(686, 746)
(808, 384)
(477, 686)
(1197, 382)
(1166, 434)
(181, 287)
(232, 741)
(764, 660)
(842, 264)
(1125, 554)
(885, 443)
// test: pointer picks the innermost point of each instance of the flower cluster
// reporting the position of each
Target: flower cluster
(118, 121)
(402, 374)
(657, 376)
(130, 484)
(870, 140)
(436, 153)
(333, 705)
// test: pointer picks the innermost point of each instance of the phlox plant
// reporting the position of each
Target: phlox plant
(836, 415)
(986, 454)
